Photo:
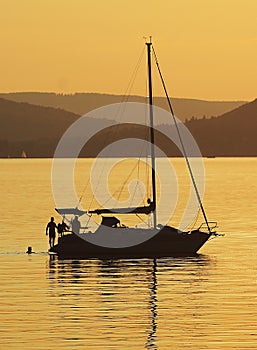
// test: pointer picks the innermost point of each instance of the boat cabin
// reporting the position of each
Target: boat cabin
(110, 221)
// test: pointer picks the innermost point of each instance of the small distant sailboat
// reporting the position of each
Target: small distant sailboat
(23, 154)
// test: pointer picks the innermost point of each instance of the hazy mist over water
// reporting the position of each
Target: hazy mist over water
(202, 302)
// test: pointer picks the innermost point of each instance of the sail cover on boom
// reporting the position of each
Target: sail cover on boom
(70, 211)
(133, 210)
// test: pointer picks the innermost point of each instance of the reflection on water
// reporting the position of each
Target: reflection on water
(202, 302)
(122, 296)
(150, 343)
(199, 302)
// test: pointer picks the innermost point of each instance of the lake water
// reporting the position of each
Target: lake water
(203, 302)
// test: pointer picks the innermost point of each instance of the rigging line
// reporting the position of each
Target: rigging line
(126, 95)
(182, 144)
(196, 218)
(119, 112)
(143, 149)
(127, 92)
(90, 217)
(97, 186)
(130, 173)
(124, 184)
(146, 148)
(138, 164)
(83, 192)
(147, 178)
(142, 220)
(125, 99)
(122, 187)
(133, 77)
(148, 187)
(137, 182)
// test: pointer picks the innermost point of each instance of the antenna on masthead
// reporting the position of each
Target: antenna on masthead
(148, 39)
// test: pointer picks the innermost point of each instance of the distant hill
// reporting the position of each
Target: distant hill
(23, 121)
(81, 103)
(37, 130)
(231, 134)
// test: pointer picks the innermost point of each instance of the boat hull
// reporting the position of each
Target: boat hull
(166, 242)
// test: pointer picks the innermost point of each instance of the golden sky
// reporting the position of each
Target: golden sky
(207, 48)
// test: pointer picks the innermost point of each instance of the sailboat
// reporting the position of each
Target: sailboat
(23, 154)
(117, 240)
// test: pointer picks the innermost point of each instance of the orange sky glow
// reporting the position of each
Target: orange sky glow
(207, 48)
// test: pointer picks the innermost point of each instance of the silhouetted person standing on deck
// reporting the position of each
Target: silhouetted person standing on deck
(50, 229)
(75, 225)
(62, 228)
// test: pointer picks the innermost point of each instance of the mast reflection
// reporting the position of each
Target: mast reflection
(127, 298)
(150, 343)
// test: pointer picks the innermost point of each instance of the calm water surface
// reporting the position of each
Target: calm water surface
(203, 302)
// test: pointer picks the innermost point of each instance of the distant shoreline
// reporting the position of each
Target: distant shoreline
(121, 157)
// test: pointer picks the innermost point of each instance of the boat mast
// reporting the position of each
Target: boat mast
(149, 45)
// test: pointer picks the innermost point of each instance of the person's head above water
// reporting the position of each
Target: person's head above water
(29, 251)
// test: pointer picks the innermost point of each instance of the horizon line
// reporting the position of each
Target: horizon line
(120, 94)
